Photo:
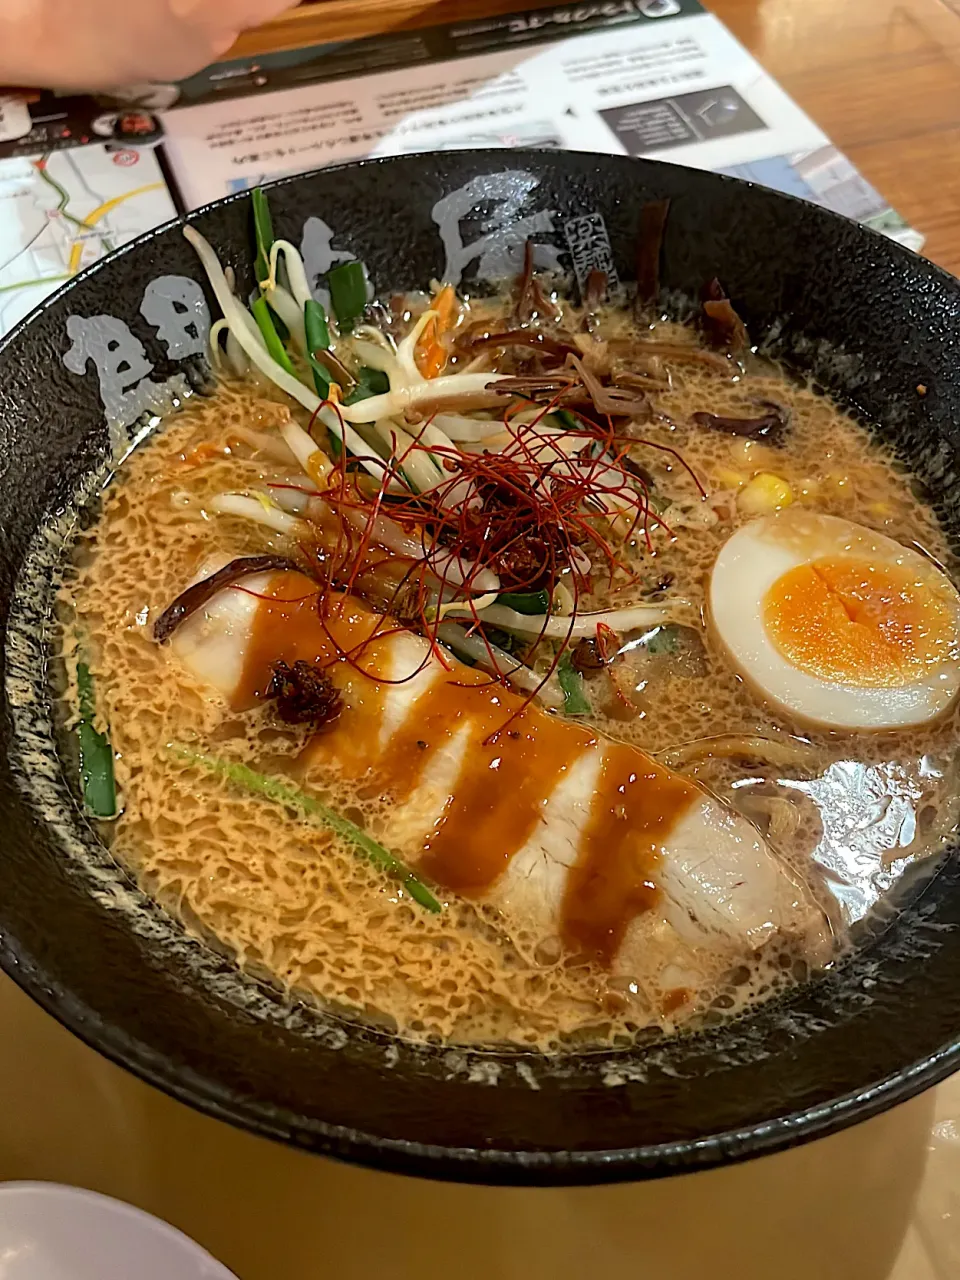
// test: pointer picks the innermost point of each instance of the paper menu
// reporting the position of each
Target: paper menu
(660, 78)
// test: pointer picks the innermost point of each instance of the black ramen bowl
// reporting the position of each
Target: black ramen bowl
(867, 319)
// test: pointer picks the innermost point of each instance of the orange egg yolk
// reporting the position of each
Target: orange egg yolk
(849, 621)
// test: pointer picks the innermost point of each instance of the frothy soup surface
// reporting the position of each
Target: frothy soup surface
(594, 804)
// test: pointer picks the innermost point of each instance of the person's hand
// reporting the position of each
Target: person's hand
(100, 44)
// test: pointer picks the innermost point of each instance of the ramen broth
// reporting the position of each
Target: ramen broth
(294, 904)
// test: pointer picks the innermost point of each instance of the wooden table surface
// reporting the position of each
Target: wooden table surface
(881, 77)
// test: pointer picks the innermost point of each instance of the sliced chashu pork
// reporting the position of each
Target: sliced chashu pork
(566, 833)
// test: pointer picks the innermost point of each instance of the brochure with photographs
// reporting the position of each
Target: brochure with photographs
(80, 176)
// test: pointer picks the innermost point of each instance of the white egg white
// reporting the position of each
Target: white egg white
(759, 554)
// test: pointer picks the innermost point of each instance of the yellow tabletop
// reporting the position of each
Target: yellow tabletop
(880, 1200)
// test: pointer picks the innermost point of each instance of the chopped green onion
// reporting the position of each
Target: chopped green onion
(348, 293)
(567, 419)
(315, 326)
(263, 234)
(275, 348)
(283, 330)
(321, 376)
(575, 701)
(528, 602)
(503, 640)
(317, 335)
(370, 382)
(96, 754)
(665, 639)
(293, 798)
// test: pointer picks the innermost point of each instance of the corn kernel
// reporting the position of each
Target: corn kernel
(727, 479)
(742, 450)
(763, 494)
(751, 453)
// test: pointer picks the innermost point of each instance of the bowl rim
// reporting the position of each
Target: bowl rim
(488, 1165)
(493, 1165)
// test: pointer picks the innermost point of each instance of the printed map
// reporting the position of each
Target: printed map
(59, 213)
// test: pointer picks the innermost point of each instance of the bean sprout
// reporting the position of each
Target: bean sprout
(582, 624)
(243, 327)
(263, 512)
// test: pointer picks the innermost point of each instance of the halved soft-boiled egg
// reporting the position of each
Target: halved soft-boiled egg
(836, 624)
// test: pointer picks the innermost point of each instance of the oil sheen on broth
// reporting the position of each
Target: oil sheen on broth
(676, 727)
